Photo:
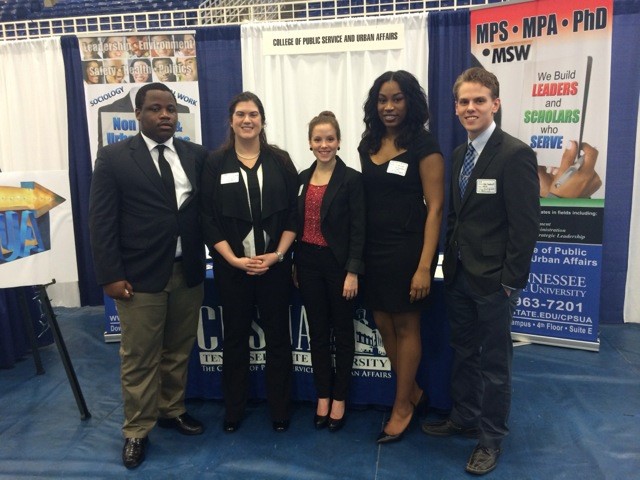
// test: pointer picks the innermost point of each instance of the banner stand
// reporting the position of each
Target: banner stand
(43, 298)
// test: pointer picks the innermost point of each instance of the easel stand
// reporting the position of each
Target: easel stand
(62, 349)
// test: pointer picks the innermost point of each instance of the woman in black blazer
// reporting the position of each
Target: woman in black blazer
(249, 193)
(328, 259)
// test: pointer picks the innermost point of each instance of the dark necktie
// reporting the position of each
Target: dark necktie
(167, 176)
(256, 206)
(467, 168)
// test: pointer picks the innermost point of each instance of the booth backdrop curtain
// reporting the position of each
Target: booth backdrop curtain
(220, 74)
(449, 56)
(33, 115)
(295, 88)
(622, 206)
(80, 170)
(33, 110)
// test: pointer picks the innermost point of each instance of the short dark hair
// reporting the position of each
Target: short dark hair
(478, 75)
(142, 93)
(417, 111)
(325, 117)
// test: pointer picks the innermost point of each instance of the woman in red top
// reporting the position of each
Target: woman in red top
(331, 215)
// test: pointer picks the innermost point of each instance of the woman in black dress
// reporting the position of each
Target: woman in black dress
(249, 202)
(331, 218)
(403, 173)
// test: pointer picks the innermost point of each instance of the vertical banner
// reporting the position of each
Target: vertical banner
(553, 61)
(114, 67)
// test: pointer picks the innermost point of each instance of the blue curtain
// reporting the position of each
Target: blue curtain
(80, 168)
(623, 121)
(449, 56)
(220, 78)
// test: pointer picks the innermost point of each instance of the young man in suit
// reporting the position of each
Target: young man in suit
(149, 257)
(492, 228)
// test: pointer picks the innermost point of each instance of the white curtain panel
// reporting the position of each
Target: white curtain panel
(33, 110)
(631, 296)
(296, 87)
(33, 119)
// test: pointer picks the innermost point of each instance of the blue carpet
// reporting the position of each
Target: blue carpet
(575, 415)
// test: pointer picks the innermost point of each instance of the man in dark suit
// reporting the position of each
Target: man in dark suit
(492, 228)
(149, 257)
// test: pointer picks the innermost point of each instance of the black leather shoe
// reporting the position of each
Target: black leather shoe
(335, 425)
(320, 421)
(230, 427)
(185, 424)
(483, 460)
(134, 451)
(447, 428)
(281, 426)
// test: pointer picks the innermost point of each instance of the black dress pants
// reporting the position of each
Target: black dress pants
(481, 373)
(321, 282)
(240, 294)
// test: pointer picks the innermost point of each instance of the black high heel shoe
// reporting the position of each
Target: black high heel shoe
(384, 437)
(320, 421)
(335, 425)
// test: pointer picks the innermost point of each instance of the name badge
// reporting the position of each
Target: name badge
(300, 190)
(233, 177)
(486, 186)
(397, 168)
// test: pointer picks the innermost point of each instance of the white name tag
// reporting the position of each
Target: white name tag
(233, 177)
(486, 186)
(397, 168)
(300, 190)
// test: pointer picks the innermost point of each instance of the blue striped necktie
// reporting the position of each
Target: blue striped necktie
(467, 168)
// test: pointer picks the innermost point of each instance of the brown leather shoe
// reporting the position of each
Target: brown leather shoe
(185, 424)
(447, 428)
(134, 451)
(483, 460)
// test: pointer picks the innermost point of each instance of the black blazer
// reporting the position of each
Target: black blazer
(133, 227)
(342, 214)
(494, 233)
(226, 214)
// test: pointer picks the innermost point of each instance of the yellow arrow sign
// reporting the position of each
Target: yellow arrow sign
(29, 196)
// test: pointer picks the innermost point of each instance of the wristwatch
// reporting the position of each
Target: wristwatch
(279, 255)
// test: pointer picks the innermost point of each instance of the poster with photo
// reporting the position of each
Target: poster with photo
(115, 66)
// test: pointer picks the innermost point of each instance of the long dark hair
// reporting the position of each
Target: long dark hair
(417, 111)
(265, 146)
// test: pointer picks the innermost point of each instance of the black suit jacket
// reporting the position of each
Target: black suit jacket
(494, 233)
(226, 213)
(133, 227)
(342, 214)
